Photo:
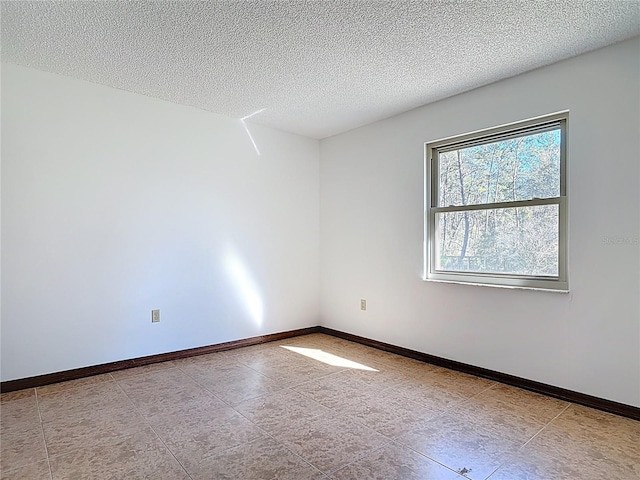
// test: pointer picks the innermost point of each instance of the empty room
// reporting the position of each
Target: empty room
(304, 240)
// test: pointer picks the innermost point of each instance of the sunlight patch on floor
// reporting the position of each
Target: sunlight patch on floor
(329, 358)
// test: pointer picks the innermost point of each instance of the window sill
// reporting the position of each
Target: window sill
(543, 286)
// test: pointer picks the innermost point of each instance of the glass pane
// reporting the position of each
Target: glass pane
(521, 241)
(510, 170)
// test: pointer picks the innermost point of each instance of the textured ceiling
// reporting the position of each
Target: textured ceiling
(317, 68)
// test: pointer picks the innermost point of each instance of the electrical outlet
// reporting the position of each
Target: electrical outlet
(155, 316)
(363, 304)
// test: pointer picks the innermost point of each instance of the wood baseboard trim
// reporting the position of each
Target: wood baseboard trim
(571, 396)
(531, 385)
(76, 373)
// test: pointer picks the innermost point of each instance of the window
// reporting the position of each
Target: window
(496, 206)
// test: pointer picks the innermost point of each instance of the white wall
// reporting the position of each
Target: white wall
(114, 204)
(372, 234)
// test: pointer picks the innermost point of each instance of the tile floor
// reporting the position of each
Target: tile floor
(312, 407)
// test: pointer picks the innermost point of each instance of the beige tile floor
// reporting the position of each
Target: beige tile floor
(298, 409)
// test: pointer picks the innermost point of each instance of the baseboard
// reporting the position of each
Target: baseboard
(76, 373)
(531, 385)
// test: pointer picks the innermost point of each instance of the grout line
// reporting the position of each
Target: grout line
(283, 444)
(300, 383)
(331, 411)
(44, 438)
(545, 426)
(455, 405)
(311, 380)
(359, 457)
(264, 432)
(213, 393)
(530, 440)
(446, 412)
(402, 445)
(152, 429)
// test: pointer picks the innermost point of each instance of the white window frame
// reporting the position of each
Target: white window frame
(557, 283)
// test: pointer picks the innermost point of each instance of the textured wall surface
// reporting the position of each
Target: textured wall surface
(372, 198)
(316, 67)
(114, 204)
